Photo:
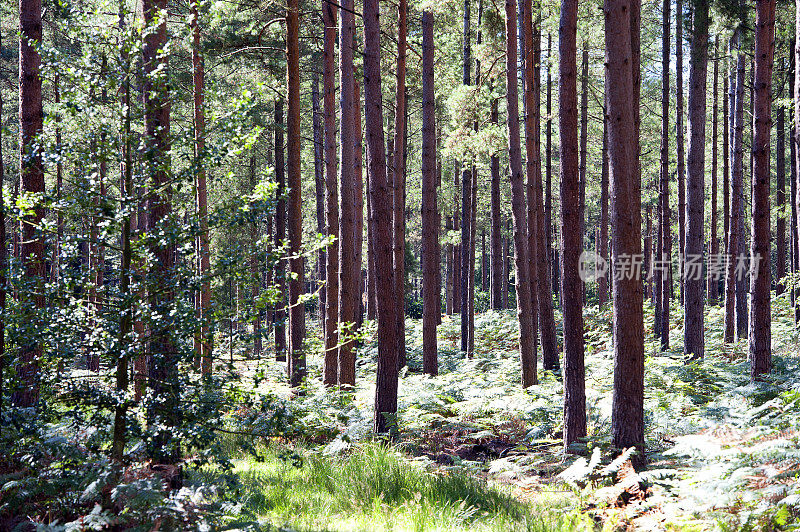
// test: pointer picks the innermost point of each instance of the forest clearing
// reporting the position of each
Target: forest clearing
(386, 265)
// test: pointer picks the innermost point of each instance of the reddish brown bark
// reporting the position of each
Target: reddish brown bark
(713, 290)
(381, 219)
(572, 298)
(694, 287)
(679, 139)
(430, 294)
(496, 228)
(399, 177)
(622, 89)
(760, 331)
(518, 209)
(348, 281)
(296, 366)
(331, 361)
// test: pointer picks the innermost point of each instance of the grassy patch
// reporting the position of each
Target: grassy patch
(375, 488)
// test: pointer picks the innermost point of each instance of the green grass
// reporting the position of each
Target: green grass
(375, 488)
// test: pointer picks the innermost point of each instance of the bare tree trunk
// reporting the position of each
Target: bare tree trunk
(32, 176)
(622, 86)
(431, 306)
(347, 267)
(496, 235)
(381, 219)
(571, 238)
(679, 140)
(532, 130)
(714, 251)
(518, 209)
(466, 200)
(399, 176)
(319, 188)
(203, 344)
(602, 282)
(358, 198)
(760, 334)
(694, 287)
(280, 234)
(780, 200)
(583, 146)
(330, 361)
(726, 181)
(163, 369)
(734, 235)
(297, 362)
(663, 278)
(548, 182)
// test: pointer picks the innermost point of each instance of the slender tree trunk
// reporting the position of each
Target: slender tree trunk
(622, 80)
(760, 334)
(296, 363)
(399, 176)
(572, 299)
(32, 176)
(714, 252)
(662, 252)
(466, 200)
(726, 181)
(126, 316)
(540, 257)
(347, 268)
(780, 200)
(255, 263)
(381, 219)
(548, 181)
(583, 146)
(694, 287)
(793, 189)
(496, 235)
(602, 282)
(163, 370)
(734, 236)
(448, 226)
(319, 187)
(679, 140)
(518, 209)
(280, 234)
(358, 198)
(331, 361)
(431, 306)
(203, 344)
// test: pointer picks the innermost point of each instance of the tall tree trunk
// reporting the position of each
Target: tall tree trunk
(358, 198)
(431, 307)
(32, 176)
(737, 155)
(399, 177)
(679, 141)
(694, 287)
(255, 267)
(602, 282)
(347, 268)
(280, 233)
(381, 220)
(518, 209)
(583, 146)
(163, 369)
(203, 343)
(126, 197)
(297, 363)
(793, 189)
(726, 181)
(714, 251)
(548, 181)
(622, 80)
(330, 374)
(760, 334)
(466, 199)
(496, 234)
(572, 299)
(319, 187)
(780, 200)
(532, 132)
(660, 278)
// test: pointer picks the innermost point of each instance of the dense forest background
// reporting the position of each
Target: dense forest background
(391, 265)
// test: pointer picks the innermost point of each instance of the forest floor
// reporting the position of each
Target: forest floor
(476, 452)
